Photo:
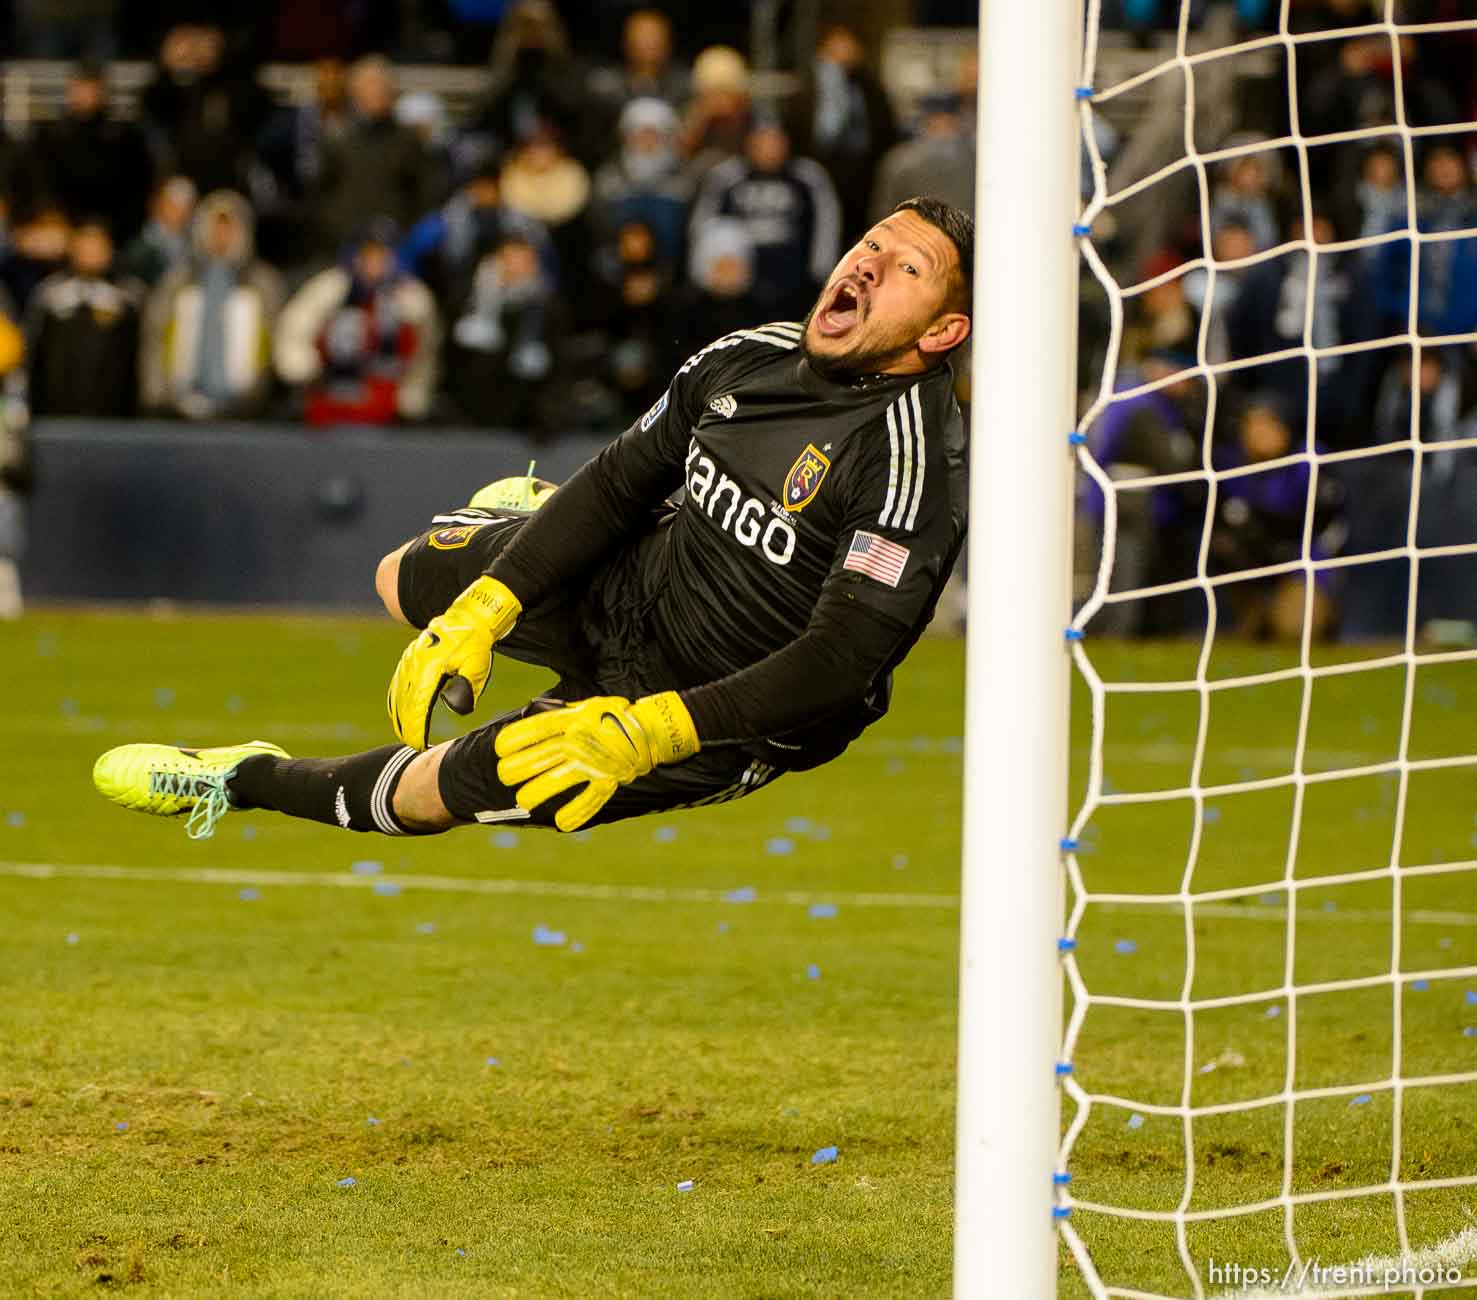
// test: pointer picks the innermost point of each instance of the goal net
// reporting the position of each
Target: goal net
(1268, 1068)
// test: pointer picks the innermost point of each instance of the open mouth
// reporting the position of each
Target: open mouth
(842, 311)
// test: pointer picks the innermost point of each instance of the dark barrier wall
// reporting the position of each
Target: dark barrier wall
(227, 513)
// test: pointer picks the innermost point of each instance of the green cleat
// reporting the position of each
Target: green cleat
(522, 493)
(170, 781)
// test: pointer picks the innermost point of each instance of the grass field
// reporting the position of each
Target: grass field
(199, 1043)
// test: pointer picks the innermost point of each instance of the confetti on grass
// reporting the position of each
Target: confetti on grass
(825, 1156)
(1274, 1011)
(1420, 986)
(372, 1122)
(386, 888)
(722, 927)
(249, 895)
(426, 927)
(505, 839)
(461, 1252)
(779, 845)
(547, 938)
(15, 819)
(685, 1185)
(797, 825)
(1363, 1099)
(74, 938)
(493, 1063)
(121, 1126)
(823, 911)
(899, 861)
(664, 834)
(813, 971)
(743, 894)
(367, 867)
(163, 697)
(1135, 1122)
(348, 1182)
(1124, 947)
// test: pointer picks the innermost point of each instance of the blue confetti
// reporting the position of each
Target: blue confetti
(15, 819)
(70, 707)
(234, 704)
(823, 911)
(1123, 947)
(582, 836)
(348, 1182)
(426, 927)
(1274, 1011)
(1362, 1099)
(1420, 986)
(249, 895)
(664, 834)
(722, 927)
(813, 971)
(493, 1063)
(1135, 1121)
(163, 696)
(1270, 899)
(388, 888)
(367, 867)
(797, 825)
(546, 937)
(899, 861)
(1329, 905)
(576, 946)
(372, 1122)
(825, 1156)
(74, 938)
(894, 767)
(1469, 1032)
(461, 1252)
(1212, 814)
(1443, 944)
(505, 839)
(743, 894)
(121, 1126)
(1248, 774)
(685, 1185)
(779, 845)
(1471, 997)
(248, 832)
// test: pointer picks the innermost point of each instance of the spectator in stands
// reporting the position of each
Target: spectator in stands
(377, 167)
(501, 350)
(82, 331)
(67, 29)
(721, 296)
(90, 161)
(648, 71)
(719, 116)
(15, 460)
(634, 276)
(164, 242)
(1269, 314)
(205, 112)
(1160, 319)
(208, 327)
(1260, 519)
(645, 181)
(359, 340)
(444, 247)
(541, 180)
(1246, 192)
(1379, 196)
(535, 79)
(940, 160)
(292, 148)
(1447, 280)
(424, 112)
(843, 119)
(791, 210)
(1231, 242)
(37, 248)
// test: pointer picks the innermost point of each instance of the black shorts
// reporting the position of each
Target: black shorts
(594, 639)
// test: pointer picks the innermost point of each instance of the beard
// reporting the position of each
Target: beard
(858, 357)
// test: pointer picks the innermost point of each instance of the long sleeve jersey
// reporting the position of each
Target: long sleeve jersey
(818, 523)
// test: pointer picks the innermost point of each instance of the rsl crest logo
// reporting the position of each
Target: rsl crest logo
(453, 539)
(805, 478)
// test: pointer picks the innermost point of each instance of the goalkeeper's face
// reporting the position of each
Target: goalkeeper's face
(885, 308)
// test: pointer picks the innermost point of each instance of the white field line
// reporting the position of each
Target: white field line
(458, 885)
(1379, 1274)
(645, 893)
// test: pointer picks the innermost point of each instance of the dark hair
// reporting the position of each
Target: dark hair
(958, 225)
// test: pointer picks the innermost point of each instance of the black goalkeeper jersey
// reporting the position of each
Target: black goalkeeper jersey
(818, 523)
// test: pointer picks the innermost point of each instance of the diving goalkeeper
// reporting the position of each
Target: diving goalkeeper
(702, 649)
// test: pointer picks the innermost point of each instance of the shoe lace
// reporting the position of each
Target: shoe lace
(209, 793)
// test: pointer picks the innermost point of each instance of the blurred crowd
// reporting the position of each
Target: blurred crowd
(1254, 314)
(543, 263)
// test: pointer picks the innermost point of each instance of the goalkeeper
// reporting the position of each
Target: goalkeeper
(703, 648)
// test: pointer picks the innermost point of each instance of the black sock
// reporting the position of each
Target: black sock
(356, 792)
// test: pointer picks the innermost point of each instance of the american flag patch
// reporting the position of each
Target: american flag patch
(876, 557)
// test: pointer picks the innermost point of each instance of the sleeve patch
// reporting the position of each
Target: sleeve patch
(876, 557)
(653, 415)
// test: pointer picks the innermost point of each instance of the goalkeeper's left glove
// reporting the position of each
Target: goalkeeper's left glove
(600, 743)
(457, 643)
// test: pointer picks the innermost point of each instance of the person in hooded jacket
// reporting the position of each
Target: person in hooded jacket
(208, 326)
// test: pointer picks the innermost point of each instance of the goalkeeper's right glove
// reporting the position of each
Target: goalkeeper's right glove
(457, 643)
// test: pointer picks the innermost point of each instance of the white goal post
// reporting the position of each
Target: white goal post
(1018, 674)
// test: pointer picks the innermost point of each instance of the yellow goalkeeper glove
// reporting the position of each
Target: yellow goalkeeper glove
(600, 743)
(457, 643)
